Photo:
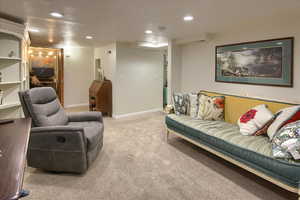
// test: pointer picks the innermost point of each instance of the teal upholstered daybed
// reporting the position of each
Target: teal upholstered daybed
(222, 138)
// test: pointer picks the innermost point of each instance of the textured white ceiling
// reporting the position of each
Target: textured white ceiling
(126, 20)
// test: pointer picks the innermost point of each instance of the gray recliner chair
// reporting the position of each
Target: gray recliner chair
(60, 142)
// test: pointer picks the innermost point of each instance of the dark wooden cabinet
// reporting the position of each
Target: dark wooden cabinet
(14, 137)
(100, 97)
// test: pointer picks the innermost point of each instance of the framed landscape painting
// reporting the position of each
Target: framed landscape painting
(267, 62)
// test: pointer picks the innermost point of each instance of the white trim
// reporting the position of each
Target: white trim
(137, 113)
(76, 105)
(12, 28)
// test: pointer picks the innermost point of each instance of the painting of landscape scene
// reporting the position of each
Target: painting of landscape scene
(265, 62)
(255, 62)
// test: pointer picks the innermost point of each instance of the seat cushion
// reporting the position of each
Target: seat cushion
(93, 132)
(253, 151)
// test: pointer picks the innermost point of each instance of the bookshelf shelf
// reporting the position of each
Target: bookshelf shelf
(9, 105)
(13, 45)
(10, 83)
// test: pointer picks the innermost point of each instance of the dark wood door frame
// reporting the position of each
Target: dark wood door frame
(60, 87)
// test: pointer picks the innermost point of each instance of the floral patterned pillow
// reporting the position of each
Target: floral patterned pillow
(255, 119)
(180, 102)
(286, 142)
(192, 109)
(211, 107)
(283, 117)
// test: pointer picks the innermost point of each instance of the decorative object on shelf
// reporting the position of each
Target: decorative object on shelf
(267, 62)
(11, 54)
(1, 97)
(99, 70)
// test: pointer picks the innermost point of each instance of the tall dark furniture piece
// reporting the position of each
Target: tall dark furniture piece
(14, 137)
(100, 97)
(59, 141)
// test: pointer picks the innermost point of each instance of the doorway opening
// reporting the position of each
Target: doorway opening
(165, 78)
(46, 69)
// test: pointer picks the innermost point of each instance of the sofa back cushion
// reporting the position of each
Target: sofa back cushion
(44, 107)
(236, 106)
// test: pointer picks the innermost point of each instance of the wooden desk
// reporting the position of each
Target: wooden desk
(14, 139)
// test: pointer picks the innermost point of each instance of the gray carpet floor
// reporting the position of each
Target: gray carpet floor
(137, 164)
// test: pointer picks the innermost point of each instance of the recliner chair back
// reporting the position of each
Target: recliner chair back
(43, 106)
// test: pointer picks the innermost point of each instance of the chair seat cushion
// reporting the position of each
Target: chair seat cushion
(93, 132)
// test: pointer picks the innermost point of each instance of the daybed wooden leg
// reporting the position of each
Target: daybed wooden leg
(167, 135)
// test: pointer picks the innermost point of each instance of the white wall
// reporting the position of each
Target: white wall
(136, 75)
(198, 61)
(78, 75)
(174, 69)
(108, 60)
(139, 79)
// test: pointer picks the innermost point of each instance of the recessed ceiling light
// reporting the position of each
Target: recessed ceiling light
(35, 30)
(148, 31)
(56, 14)
(188, 18)
(89, 37)
(153, 44)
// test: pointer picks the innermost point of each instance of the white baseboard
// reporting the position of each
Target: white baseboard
(137, 113)
(77, 105)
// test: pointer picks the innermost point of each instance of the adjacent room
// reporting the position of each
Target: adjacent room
(149, 100)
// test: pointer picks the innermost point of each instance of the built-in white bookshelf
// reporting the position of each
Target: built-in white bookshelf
(13, 68)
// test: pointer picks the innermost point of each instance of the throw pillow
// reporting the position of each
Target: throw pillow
(169, 109)
(192, 104)
(180, 103)
(211, 107)
(264, 129)
(286, 142)
(254, 119)
(284, 116)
